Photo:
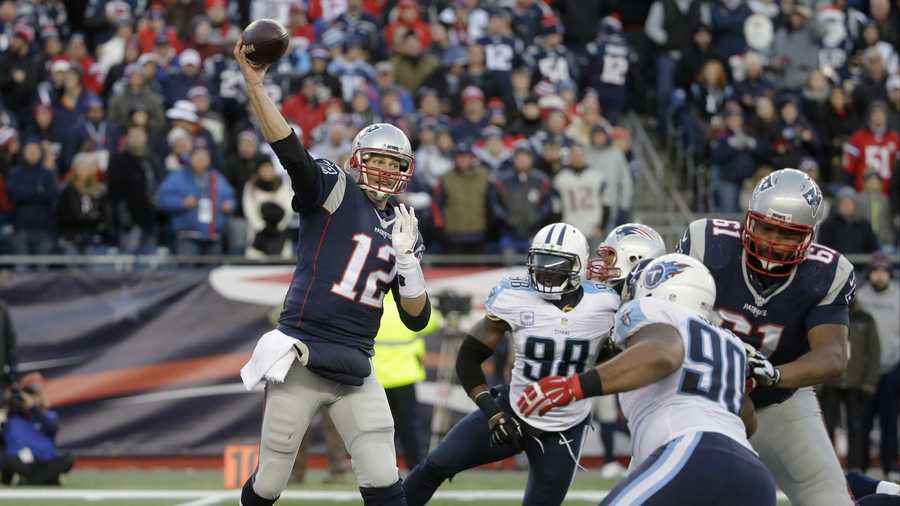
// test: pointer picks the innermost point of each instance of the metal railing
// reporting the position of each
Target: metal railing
(151, 262)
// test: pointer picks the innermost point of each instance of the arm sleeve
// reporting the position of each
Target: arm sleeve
(48, 420)
(471, 354)
(414, 323)
(306, 180)
(834, 308)
(629, 319)
(653, 26)
(693, 242)
(171, 194)
(852, 156)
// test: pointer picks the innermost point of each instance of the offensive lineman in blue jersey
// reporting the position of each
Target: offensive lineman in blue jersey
(354, 246)
(788, 297)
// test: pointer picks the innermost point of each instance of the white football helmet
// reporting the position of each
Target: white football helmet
(679, 279)
(381, 139)
(557, 260)
(623, 247)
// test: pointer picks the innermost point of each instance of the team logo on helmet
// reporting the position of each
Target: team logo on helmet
(814, 198)
(633, 230)
(764, 185)
(663, 271)
(372, 128)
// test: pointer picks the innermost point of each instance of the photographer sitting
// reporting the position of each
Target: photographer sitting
(29, 435)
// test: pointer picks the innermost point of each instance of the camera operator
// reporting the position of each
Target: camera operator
(29, 436)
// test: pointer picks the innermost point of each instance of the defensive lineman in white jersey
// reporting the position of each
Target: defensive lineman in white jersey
(557, 322)
(681, 384)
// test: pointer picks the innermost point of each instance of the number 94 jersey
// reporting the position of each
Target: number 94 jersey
(704, 395)
(776, 320)
(551, 342)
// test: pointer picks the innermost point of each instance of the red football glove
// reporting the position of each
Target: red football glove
(550, 392)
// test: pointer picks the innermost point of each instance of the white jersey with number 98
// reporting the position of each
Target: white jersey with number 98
(551, 342)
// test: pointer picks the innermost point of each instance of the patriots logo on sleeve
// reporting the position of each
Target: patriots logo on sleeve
(328, 167)
(661, 272)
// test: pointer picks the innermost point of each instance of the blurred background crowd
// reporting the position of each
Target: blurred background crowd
(134, 113)
(124, 126)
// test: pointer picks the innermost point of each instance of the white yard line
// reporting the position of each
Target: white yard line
(210, 497)
(210, 500)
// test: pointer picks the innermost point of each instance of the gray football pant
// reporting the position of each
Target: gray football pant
(792, 442)
(360, 414)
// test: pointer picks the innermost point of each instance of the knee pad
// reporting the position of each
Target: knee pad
(391, 495)
(249, 497)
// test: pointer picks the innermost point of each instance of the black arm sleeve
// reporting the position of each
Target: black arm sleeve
(414, 323)
(471, 354)
(301, 167)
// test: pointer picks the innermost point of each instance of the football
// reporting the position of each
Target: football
(266, 41)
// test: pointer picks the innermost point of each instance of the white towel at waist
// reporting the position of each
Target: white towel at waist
(271, 360)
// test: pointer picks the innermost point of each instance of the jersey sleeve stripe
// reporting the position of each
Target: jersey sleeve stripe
(697, 231)
(336, 196)
(841, 275)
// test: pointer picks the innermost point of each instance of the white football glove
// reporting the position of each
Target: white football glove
(760, 369)
(405, 231)
(403, 237)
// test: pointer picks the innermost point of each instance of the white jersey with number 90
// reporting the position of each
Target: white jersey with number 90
(704, 395)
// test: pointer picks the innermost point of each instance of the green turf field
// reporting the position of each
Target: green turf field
(204, 488)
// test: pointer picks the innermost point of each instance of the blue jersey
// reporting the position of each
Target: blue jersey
(775, 320)
(345, 264)
(552, 65)
(501, 55)
(609, 62)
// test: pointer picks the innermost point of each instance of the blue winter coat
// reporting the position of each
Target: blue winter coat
(33, 191)
(186, 221)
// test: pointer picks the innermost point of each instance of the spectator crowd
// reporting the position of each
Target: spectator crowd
(124, 126)
(747, 87)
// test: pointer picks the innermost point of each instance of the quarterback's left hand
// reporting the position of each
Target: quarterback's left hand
(548, 393)
(760, 369)
(405, 231)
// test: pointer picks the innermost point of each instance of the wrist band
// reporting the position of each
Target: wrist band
(410, 279)
(591, 385)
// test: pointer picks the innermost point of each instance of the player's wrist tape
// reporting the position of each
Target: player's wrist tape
(590, 384)
(411, 278)
(486, 403)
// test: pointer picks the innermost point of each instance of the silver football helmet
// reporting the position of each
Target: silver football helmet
(557, 259)
(780, 223)
(382, 139)
(622, 249)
